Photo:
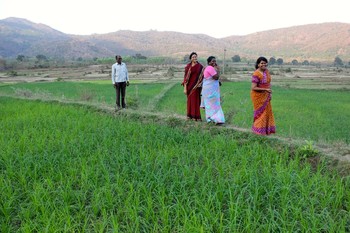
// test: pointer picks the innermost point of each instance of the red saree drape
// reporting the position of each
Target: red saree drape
(193, 79)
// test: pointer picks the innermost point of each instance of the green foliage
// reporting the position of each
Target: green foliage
(279, 61)
(318, 115)
(23, 92)
(139, 56)
(67, 168)
(41, 61)
(288, 70)
(295, 62)
(87, 95)
(20, 58)
(132, 101)
(186, 58)
(170, 72)
(3, 64)
(236, 58)
(299, 113)
(308, 150)
(149, 60)
(338, 61)
(305, 63)
(12, 73)
(322, 115)
(272, 61)
(41, 57)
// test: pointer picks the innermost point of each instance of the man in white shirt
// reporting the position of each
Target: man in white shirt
(120, 79)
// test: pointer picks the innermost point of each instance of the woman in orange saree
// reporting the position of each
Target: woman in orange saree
(192, 83)
(264, 122)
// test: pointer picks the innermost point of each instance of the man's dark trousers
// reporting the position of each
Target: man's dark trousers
(120, 90)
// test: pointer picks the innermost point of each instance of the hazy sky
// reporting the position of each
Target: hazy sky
(216, 18)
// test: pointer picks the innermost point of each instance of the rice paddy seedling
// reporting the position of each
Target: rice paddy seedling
(308, 150)
(317, 115)
(73, 168)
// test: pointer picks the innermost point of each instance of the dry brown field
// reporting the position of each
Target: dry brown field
(308, 77)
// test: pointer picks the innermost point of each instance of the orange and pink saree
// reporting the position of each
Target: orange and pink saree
(264, 122)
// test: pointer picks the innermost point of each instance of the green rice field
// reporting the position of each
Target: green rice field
(316, 115)
(69, 163)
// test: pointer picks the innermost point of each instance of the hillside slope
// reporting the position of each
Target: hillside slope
(313, 42)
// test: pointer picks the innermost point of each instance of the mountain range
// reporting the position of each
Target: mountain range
(313, 42)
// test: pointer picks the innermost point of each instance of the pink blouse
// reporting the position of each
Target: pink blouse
(209, 72)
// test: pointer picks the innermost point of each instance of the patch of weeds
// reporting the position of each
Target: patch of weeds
(287, 86)
(86, 95)
(138, 70)
(43, 94)
(170, 72)
(230, 114)
(288, 70)
(23, 92)
(12, 73)
(173, 121)
(307, 150)
(132, 102)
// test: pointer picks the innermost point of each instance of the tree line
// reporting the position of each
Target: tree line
(279, 61)
(42, 61)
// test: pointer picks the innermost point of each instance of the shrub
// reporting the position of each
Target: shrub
(307, 150)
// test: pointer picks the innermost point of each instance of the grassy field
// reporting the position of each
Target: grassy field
(75, 168)
(322, 116)
(69, 163)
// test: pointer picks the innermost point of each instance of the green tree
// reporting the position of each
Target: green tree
(338, 61)
(272, 61)
(139, 56)
(2, 64)
(20, 58)
(236, 58)
(295, 62)
(41, 57)
(305, 63)
(186, 58)
(279, 61)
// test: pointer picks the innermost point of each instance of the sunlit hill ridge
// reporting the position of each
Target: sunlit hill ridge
(314, 42)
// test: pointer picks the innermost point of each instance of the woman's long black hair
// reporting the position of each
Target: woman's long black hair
(259, 60)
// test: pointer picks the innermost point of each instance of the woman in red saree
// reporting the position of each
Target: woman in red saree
(264, 122)
(192, 83)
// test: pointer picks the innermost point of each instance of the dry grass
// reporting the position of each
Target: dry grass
(308, 77)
